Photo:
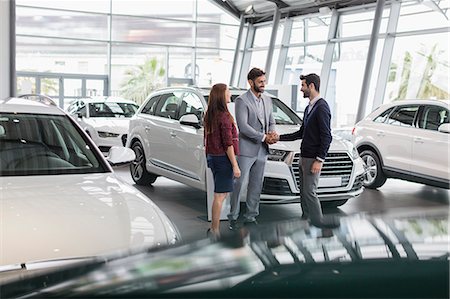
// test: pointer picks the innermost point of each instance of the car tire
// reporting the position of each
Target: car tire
(374, 176)
(138, 170)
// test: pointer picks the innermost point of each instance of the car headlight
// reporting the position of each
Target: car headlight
(107, 134)
(277, 155)
(355, 153)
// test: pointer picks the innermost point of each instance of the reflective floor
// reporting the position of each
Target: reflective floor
(186, 206)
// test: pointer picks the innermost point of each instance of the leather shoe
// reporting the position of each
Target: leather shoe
(233, 225)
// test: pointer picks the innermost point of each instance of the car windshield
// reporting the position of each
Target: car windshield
(112, 109)
(37, 144)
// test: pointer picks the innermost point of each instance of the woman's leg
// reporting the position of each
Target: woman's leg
(216, 209)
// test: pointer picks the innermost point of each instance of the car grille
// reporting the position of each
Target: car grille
(335, 165)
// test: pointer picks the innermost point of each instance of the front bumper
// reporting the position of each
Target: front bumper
(281, 179)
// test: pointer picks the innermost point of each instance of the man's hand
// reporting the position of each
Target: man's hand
(316, 166)
(272, 137)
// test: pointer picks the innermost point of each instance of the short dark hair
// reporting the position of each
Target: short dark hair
(255, 73)
(312, 78)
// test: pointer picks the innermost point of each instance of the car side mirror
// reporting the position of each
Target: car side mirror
(444, 128)
(118, 156)
(190, 120)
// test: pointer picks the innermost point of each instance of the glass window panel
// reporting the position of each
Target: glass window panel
(214, 66)
(72, 87)
(134, 29)
(258, 59)
(26, 85)
(263, 34)
(361, 23)
(410, 14)
(419, 68)
(180, 64)
(137, 70)
(94, 88)
(318, 29)
(180, 9)
(217, 36)
(61, 56)
(50, 87)
(87, 5)
(207, 11)
(58, 23)
(298, 30)
(345, 82)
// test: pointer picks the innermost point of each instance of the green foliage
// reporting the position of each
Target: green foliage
(141, 80)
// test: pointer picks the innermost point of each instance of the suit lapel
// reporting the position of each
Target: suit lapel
(255, 107)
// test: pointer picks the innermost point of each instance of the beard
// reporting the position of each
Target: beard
(306, 94)
(258, 89)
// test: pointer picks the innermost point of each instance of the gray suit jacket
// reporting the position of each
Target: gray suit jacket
(251, 130)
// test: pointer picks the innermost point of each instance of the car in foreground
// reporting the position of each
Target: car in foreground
(166, 134)
(406, 139)
(60, 198)
(105, 119)
(401, 255)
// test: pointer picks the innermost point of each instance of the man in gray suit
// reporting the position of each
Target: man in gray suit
(256, 131)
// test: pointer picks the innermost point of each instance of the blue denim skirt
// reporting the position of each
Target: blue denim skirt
(222, 172)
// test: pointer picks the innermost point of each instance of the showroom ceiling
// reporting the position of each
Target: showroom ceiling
(257, 11)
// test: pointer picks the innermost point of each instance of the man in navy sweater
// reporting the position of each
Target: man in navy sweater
(315, 133)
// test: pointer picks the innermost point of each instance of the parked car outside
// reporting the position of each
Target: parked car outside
(407, 139)
(368, 256)
(105, 119)
(59, 197)
(167, 136)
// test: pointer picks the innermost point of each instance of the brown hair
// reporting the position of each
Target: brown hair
(311, 78)
(217, 104)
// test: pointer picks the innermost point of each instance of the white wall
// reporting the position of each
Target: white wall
(4, 50)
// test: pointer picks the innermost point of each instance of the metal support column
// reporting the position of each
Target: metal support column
(109, 45)
(273, 37)
(247, 56)
(283, 51)
(237, 50)
(194, 46)
(386, 57)
(370, 59)
(329, 51)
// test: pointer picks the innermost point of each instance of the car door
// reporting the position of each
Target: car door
(188, 146)
(159, 131)
(394, 140)
(430, 147)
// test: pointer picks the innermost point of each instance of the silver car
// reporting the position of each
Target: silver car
(166, 134)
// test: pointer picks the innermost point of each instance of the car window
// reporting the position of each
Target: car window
(191, 104)
(168, 105)
(82, 111)
(149, 107)
(283, 114)
(44, 145)
(403, 116)
(112, 109)
(432, 117)
(383, 116)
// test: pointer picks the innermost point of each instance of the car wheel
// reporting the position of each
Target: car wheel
(138, 171)
(374, 176)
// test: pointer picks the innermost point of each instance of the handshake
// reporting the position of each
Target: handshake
(272, 137)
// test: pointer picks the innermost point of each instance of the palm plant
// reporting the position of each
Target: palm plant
(142, 79)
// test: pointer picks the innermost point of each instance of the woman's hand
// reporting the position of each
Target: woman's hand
(236, 172)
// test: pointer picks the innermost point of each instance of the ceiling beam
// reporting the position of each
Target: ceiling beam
(228, 6)
(279, 3)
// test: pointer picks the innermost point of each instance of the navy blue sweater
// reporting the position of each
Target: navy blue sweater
(315, 132)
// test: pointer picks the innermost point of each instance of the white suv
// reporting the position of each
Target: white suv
(407, 139)
(167, 137)
(59, 197)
